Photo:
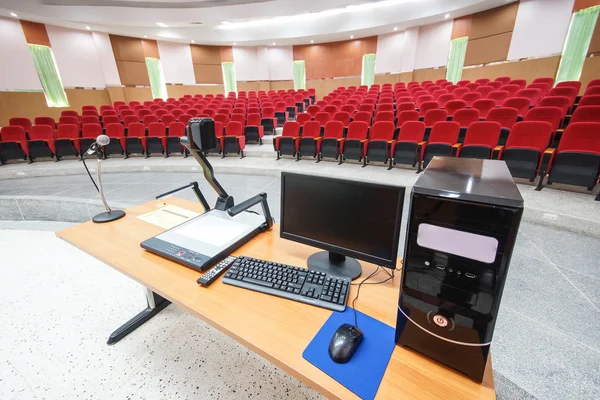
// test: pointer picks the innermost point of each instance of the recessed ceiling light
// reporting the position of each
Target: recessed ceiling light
(162, 24)
(145, 36)
(234, 43)
(447, 16)
(312, 41)
(13, 15)
(273, 43)
(395, 28)
(88, 28)
(351, 36)
(193, 41)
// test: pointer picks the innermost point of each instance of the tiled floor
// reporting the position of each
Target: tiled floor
(62, 304)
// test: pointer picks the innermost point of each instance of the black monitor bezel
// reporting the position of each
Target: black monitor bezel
(342, 250)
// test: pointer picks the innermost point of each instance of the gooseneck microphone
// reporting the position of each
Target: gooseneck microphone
(96, 148)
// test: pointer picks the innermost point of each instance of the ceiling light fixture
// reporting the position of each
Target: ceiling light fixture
(447, 16)
(273, 43)
(145, 37)
(162, 24)
(312, 41)
(193, 41)
(287, 19)
(395, 28)
(88, 28)
(13, 14)
(351, 36)
(234, 43)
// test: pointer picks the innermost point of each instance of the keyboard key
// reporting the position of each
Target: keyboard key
(257, 282)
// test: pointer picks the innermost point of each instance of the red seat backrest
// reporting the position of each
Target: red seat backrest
(503, 79)
(115, 130)
(91, 130)
(581, 137)
(330, 109)
(428, 105)
(498, 96)
(484, 106)
(484, 90)
(268, 112)
(67, 131)
(454, 105)
(547, 81)
(409, 106)
(521, 104)
(178, 129)
(111, 119)
(382, 130)
(483, 134)
(530, 134)
(444, 132)
(482, 81)
(561, 102)
(565, 91)
(334, 129)
(463, 83)
(434, 115)
(130, 119)
(322, 117)
(586, 114)
(412, 131)
(41, 132)
(302, 118)
(505, 116)
(20, 121)
(534, 95)
(470, 97)
(385, 107)
(459, 91)
(363, 116)
(542, 87)
(445, 98)
(553, 115)
(72, 120)
(136, 129)
(234, 128)
(573, 84)
(311, 129)
(592, 90)
(184, 118)
(222, 118)
(473, 86)
(167, 119)
(45, 121)
(587, 100)
(384, 116)
(466, 116)
(254, 119)
(12, 133)
(291, 129)
(495, 84)
(357, 130)
(90, 119)
(408, 115)
(69, 113)
(343, 117)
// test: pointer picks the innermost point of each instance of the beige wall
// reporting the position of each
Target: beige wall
(178, 91)
(429, 74)
(528, 69)
(591, 70)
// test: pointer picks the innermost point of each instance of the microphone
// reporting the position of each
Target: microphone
(101, 141)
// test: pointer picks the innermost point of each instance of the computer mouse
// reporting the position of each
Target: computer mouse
(344, 343)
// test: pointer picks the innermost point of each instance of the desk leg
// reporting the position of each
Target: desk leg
(155, 304)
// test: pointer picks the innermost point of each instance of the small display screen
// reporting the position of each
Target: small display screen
(463, 244)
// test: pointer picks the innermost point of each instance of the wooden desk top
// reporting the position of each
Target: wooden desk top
(275, 328)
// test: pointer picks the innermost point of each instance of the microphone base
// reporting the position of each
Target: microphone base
(109, 216)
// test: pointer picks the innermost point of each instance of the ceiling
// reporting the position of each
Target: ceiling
(244, 22)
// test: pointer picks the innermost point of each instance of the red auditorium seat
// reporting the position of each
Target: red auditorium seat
(110, 119)
(20, 121)
(470, 98)
(183, 118)
(66, 141)
(534, 95)
(193, 112)
(167, 119)
(405, 107)
(222, 118)
(442, 139)
(586, 114)
(503, 79)
(108, 113)
(433, 116)
(13, 143)
(472, 86)
(130, 119)
(89, 133)
(268, 120)
(511, 89)
(343, 117)
(69, 113)
(143, 112)
(88, 107)
(480, 140)
(525, 146)
(460, 91)
(407, 115)
(454, 105)
(41, 142)
(450, 88)
(254, 131)
(116, 133)
(408, 149)
(385, 107)
(378, 147)
(332, 140)
(136, 131)
(322, 118)
(499, 96)
(547, 81)
(302, 118)
(71, 121)
(45, 121)
(287, 143)
(553, 115)
(445, 98)
(544, 88)
(592, 90)
(428, 105)
(354, 145)
(565, 91)
(349, 108)
(234, 140)
(313, 110)
(572, 84)
(521, 104)
(587, 100)
(89, 119)
(241, 118)
(465, 117)
(561, 102)
(463, 83)
(576, 161)
(438, 93)
(482, 81)
(495, 84)
(363, 116)
(484, 106)
(521, 83)
(330, 109)
(175, 132)
(506, 117)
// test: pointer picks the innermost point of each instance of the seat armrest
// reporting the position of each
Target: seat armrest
(455, 151)
(546, 163)
(497, 152)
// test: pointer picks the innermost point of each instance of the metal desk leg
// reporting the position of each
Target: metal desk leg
(155, 304)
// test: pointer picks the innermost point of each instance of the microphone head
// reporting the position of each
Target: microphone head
(102, 140)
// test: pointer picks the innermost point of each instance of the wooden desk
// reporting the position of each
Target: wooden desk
(277, 329)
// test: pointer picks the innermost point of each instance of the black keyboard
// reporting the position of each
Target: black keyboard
(294, 283)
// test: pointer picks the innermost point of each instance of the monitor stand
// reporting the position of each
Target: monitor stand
(335, 264)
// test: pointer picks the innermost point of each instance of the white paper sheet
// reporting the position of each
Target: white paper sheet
(168, 216)
(213, 230)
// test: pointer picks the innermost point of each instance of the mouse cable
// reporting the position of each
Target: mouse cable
(358, 293)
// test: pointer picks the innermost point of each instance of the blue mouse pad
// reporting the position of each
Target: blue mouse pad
(363, 373)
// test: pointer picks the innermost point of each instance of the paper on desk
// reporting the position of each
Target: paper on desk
(168, 216)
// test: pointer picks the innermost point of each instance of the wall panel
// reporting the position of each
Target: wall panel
(208, 74)
(494, 22)
(115, 93)
(581, 4)
(133, 73)
(591, 70)
(137, 93)
(433, 45)
(176, 61)
(150, 48)
(106, 58)
(595, 42)
(178, 91)
(389, 53)
(127, 48)
(540, 37)
(76, 57)
(280, 63)
(19, 73)
(409, 54)
(81, 97)
(461, 27)
(429, 74)
(527, 69)
(488, 49)
(35, 33)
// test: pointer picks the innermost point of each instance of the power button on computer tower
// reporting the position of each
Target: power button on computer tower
(440, 321)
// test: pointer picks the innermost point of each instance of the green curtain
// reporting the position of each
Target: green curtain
(157, 79)
(46, 68)
(577, 44)
(229, 77)
(456, 59)
(299, 75)
(368, 70)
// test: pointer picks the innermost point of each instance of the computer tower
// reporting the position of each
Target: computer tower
(463, 224)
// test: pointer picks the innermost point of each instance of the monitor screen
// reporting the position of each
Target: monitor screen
(356, 219)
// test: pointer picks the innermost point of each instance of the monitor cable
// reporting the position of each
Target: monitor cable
(364, 281)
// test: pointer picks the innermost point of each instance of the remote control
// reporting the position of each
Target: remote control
(209, 277)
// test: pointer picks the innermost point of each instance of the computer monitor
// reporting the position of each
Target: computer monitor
(346, 218)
